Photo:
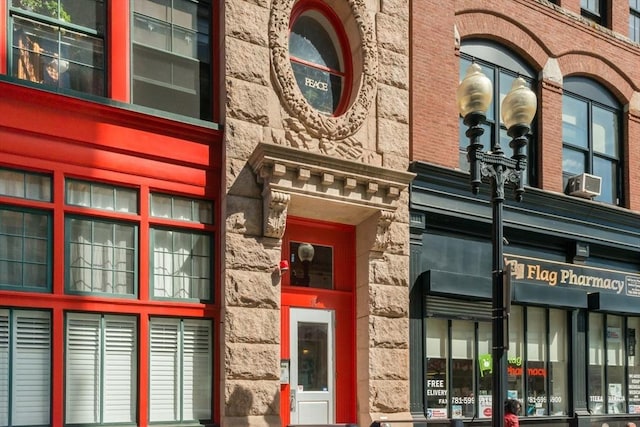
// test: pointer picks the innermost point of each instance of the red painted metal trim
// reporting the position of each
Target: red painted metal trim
(118, 51)
(71, 137)
(341, 300)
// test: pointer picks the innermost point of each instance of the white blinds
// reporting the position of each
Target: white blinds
(31, 368)
(4, 367)
(197, 370)
(25, 339)
(119, 369)
(83, 370)
(164, 371)
(100, 373)
(180, 370)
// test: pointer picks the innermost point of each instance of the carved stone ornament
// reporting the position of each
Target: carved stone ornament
(317, 125)
(276, 204)
(382, 231)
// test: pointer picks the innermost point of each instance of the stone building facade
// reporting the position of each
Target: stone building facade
(285, 159)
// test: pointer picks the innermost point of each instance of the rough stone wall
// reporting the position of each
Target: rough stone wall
(249, 386)
(255, 113)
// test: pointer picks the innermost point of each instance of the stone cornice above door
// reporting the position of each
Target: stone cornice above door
(316, 186)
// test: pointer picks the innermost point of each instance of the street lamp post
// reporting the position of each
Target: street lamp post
(518, 108)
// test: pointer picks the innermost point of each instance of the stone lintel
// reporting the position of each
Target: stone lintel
(318, 186)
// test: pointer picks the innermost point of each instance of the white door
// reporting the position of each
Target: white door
(312, 366)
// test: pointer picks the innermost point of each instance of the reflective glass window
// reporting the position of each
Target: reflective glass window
(59, 43)
(317, 59)
(591, 136)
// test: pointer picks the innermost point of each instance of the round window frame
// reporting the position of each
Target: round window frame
(341, 46)
(364, 84)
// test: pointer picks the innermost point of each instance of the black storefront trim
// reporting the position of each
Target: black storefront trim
(446, 283)
(464, 286)
(551, 297)
(612, 303)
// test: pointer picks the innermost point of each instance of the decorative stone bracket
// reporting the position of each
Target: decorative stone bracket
(317, 186)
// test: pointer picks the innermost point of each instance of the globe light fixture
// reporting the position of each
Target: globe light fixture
(518, 108)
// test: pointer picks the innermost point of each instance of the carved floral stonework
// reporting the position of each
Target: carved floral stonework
(382, 231)
(333, 135)
(276, 204)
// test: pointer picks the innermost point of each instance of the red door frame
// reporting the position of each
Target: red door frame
(341, 300)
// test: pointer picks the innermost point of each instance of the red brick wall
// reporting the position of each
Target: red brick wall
(539, 33)
(434, 80)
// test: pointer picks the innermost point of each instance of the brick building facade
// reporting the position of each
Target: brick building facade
(572, 342)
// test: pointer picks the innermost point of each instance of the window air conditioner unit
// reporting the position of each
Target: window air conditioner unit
(585, 185)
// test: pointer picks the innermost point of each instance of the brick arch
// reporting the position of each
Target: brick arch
(504, 30)
(599, 69)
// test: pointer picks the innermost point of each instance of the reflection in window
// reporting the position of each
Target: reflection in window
(313, 356)
(616, 384)
(59, 44)
(485, 364)
(171, 56)
(594, 10)
(591, 135)
(633, 363)
(502, 67)
(596, 364)
(515, 356)
(317, 59)
(462, 368)
(24, 249)
(634, 20)
(459, 364)
(311, 265)
(536, 367)
(558, 368)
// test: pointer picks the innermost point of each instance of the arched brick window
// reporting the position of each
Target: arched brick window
(502, 67)
(591, 135)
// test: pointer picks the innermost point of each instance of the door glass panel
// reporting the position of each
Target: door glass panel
(313, 364)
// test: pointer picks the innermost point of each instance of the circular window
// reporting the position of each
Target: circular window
(320, 64)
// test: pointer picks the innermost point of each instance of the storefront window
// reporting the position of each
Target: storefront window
(596, 364)
(558, 369)
(462, 372)
(536, 366)
(459, 363)
(633, 326)
(515, 356)
(485, 363)
(436, 387)
(615, 366)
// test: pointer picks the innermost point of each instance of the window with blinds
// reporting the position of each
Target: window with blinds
(180, 365)
(25, 367)
(100, 378)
